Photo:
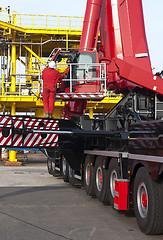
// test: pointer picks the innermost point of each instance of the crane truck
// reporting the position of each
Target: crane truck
(118, 157)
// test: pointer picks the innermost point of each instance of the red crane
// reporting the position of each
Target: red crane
(123, 48)
(119, 157)
(123, 43)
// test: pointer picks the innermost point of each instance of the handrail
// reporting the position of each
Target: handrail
(21, 88)
(84, 73)
(40, 21)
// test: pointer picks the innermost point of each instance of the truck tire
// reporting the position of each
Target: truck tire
(101, 181)
(148, 205)
(49, 165)
(51, 168)
(71, 176)
(89, 177)
(113, 173)
(64, 168)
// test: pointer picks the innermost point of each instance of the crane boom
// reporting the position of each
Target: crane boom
(123, 43)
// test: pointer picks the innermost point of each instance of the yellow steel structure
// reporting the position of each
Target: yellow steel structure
(29, 39)
(12, 153)
(26, 40)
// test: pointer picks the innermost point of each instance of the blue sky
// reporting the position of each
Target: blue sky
(152, 14)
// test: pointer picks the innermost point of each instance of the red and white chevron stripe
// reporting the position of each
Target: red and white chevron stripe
(38, 139)
(55, 144)
(31, 123)
(80, 96)
(17, 138)
(28, 139)
(5, 122)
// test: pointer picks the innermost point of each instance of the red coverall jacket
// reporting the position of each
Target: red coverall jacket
(50, 77)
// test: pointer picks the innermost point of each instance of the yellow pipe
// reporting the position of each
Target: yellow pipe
(13, 109)
(5, 25)
(91, 113)
(13, 60)
(3, 84)
(29, 66)
(34, 54)
(12, 156)
(12, 153)
(39, 53)
(14, 18)
(66, 41)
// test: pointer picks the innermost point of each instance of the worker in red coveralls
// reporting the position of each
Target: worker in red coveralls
(50, 78)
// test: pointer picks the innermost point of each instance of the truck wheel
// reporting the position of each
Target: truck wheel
(101, 181)
(147, 203)
(51, 168)
(49, 165)
(89, 177)
(64, 169)
(71, 176)
(113, 173)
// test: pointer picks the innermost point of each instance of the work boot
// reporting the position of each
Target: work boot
(51, 116)
(46, 115)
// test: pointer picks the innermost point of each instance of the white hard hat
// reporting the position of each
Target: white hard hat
(52, 64)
